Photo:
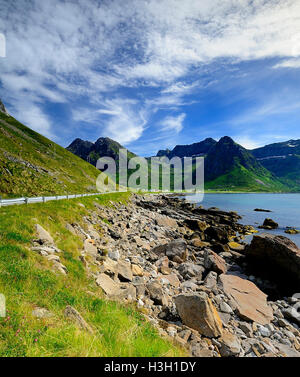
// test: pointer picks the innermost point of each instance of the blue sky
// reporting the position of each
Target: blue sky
(153, 73)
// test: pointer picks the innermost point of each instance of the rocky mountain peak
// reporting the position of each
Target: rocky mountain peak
(226, 140)
(2, 108)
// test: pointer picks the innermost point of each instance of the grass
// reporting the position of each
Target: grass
(31, 164)
(243, 180)
(27, 282)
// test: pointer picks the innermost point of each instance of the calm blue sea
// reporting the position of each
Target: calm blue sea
(285, 209)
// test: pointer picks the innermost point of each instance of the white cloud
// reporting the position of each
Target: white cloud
(173, 123)
(62, 51)
(121, 121)
(181, 88)
(289, 63)
(125, 124)
(248, 142)
(35, 117)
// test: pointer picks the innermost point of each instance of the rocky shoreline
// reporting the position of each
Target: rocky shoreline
(190, 274)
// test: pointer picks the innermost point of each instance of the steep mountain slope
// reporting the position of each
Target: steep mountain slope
(196, 149)
(229, 165)
(283, 160)
(31, 164)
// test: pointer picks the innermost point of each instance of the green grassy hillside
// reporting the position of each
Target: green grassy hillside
(229, 166)
(287, 169)
(27, 282)
(31, 164)
(241, 179)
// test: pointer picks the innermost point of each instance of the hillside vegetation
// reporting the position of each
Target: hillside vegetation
(31, 164)
(27, 281)
(230, 166)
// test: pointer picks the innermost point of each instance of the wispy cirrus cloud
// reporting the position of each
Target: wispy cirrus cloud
(173, 123)
(116, 118)
(122, 64)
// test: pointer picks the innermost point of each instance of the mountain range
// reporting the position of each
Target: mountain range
(282, 159)
(31, 164)
(228, 166)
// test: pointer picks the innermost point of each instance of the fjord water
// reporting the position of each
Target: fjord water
(285, 209)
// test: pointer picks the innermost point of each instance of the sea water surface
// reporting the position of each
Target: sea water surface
(285, 209)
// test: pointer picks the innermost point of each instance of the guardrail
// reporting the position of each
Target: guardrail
(43, 199)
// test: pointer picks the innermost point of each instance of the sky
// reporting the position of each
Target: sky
(152, 74)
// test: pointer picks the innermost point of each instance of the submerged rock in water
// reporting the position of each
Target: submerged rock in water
(262, 210)
(292, 231)
(269, 224)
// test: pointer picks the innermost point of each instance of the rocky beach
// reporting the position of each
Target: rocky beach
(191, 275)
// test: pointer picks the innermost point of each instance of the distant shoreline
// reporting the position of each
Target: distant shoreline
(247, 192)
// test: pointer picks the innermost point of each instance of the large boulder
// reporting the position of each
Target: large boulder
(43, 235)
(217, 233)
(171, 279)
(210, 281)
(175, 250)
(109, 286)
(163, 265)
(156, 293)
(230, 345)
(124, 271)
(90, 247)
(250, 302)
(214, 262)
(76, 317)
(165, 221)
(189, 270)
(277, 256)
(196, 225)
(115, 290)
(198, 312)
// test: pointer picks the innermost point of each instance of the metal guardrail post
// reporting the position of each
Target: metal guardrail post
(26, 200)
